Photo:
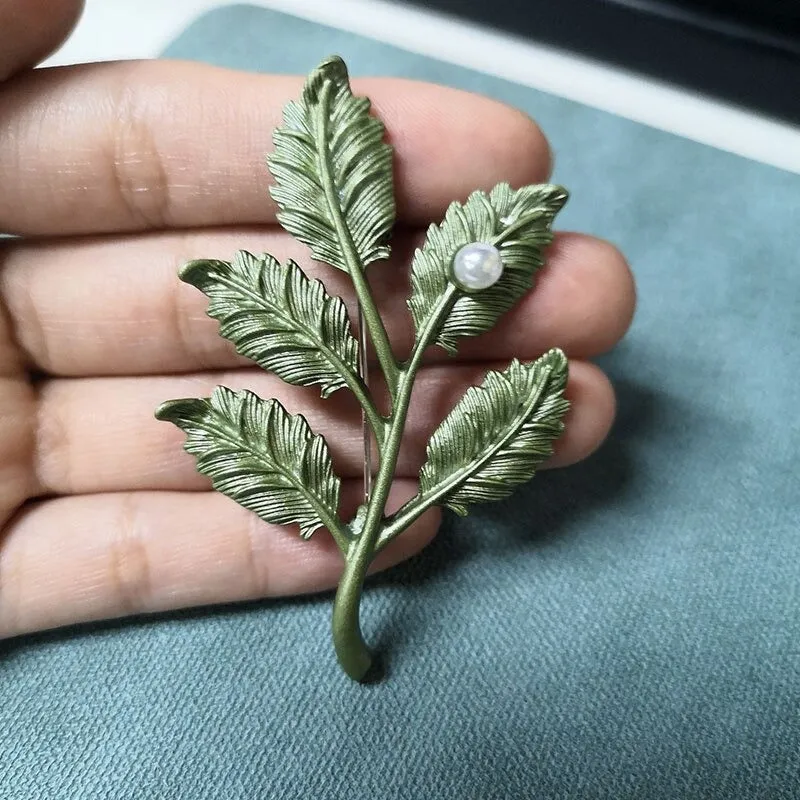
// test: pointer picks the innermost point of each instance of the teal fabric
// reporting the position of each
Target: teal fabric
(627, 628)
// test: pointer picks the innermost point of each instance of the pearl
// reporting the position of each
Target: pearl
(477, 266)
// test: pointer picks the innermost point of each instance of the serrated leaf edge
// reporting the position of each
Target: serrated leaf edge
(185, 408)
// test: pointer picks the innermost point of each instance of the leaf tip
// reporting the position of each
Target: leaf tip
(560, 196)
(557, 359)
(334, 63)
(331, 69)
(197, 272)
(177, 410)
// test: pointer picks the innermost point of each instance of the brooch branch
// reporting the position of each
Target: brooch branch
(333, 184)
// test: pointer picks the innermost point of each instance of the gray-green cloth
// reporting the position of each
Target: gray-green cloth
(626, 628)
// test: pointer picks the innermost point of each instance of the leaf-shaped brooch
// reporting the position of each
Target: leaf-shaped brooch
(334, 187)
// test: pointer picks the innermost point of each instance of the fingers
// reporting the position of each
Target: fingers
(99, 435)
(17, 444)
(583, 302)
(31, 29)
(110, 306)
(77, 559)
(136, 145)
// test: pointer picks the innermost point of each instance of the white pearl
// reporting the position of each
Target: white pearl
(477, 266)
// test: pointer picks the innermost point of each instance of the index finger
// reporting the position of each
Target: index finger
(129, 146)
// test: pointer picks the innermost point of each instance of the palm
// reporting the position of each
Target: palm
(139, 168)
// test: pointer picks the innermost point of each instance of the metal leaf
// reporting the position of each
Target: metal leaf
(333, 172)
(498, 434)
(279, 318)
(259, 455)
(517, 222)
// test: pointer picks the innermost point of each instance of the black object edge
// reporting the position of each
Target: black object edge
(743, 54)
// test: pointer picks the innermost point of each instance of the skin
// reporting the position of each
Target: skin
(114, 175)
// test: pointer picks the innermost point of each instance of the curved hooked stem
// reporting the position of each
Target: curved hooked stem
(351, 650)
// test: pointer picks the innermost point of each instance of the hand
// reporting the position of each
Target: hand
(115, 175)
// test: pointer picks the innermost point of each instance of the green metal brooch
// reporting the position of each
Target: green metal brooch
(333, 184)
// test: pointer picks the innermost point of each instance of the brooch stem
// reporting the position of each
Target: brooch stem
(333, 185)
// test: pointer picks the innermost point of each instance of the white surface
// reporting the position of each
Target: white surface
(115, 29)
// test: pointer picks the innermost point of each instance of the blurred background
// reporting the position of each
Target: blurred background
(722, 72)
(746, 51)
